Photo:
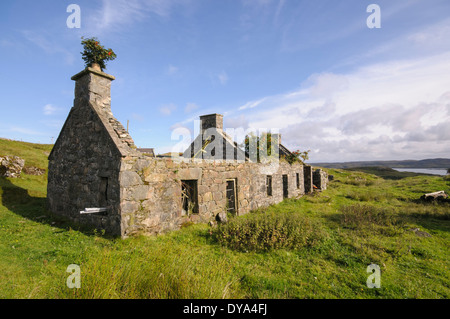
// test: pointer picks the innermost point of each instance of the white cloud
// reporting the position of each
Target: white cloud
(171, 70)
(122, 12)
(251, 104)
(256, 2)
(223, 77)
(137, 117)
(239, 121)
(50, 109)
(167, 109)
(325, 85)
(9, 44)
(434, 36)
(44, 42)
(190, 107)
(114, 15)
(394, 109)
(430, 40)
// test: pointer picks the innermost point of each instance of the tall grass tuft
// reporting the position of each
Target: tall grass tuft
(384, 220)
(366, 195)
(262, 231)
(432, 210)
(152, 270)
(358, 179)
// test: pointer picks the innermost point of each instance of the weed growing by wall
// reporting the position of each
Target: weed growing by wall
(262, 231)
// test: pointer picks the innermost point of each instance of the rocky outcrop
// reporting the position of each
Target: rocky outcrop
(222, 218)
(441, 195)
(11, 166)
(419, 233)
(31, 170)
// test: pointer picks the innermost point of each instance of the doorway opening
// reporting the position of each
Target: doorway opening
(231, 196)
(285, 186)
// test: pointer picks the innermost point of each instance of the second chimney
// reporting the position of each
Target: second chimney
(211, 121)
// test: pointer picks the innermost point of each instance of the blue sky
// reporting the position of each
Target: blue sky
(311, 70)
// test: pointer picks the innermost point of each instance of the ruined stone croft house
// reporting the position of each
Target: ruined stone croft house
(97, 176)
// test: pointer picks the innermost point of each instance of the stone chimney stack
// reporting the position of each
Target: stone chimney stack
(94, 87)
(211, 121)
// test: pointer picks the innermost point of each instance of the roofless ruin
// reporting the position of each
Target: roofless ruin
(97, 176)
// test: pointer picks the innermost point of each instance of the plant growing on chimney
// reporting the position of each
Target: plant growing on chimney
(94, 52)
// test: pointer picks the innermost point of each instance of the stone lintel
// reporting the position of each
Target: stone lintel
(91, 70)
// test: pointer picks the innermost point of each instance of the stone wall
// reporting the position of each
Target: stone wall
(78, 167)
(151, 190)
(85, 161)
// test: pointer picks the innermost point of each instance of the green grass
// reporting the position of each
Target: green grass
(361, 219)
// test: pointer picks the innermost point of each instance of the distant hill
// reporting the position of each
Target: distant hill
(442, 163)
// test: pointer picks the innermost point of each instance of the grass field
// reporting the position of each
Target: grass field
(361, 219)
